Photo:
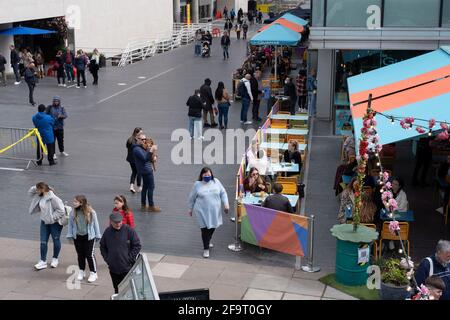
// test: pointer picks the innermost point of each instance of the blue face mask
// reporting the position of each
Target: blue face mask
(207, 178)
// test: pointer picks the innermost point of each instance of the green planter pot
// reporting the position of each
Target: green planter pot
(348, 271)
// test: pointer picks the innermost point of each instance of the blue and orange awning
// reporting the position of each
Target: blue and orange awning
(417, 87)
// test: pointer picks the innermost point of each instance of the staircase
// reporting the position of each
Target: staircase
(141, 49)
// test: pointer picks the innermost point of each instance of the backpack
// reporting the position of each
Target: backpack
(242, 90)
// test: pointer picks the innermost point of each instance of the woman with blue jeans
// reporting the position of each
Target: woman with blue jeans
(51, 210)
(223, 104)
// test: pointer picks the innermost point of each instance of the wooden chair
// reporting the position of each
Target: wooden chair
(298, 138)
(300, 126)
(289, 188)
(278, 124)
(284, 112)
(293, 179)
(387, 235)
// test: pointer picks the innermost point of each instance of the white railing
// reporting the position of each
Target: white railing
(141, 49)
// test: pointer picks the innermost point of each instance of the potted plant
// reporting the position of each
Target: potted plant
(394, 280)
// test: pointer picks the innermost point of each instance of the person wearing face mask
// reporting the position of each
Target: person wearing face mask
(205, 201)
(291, 91)
(51, 210)
(84, 231)
(436, 265)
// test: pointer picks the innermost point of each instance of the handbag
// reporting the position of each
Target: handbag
(64, 220)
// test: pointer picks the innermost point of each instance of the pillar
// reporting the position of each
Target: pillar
(5, 42)
(211, 9)
(176, 11)
(194, 9)
(325, 84)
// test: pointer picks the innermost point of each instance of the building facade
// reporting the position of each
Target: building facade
(349, 37)
(108, 25)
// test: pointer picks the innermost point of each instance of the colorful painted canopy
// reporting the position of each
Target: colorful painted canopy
(417, 87)
(295, 19)
(286, 23)
(275, 230)
(276, 35)
(24, 31)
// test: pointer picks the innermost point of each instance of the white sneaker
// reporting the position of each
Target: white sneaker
(55, 157)
(248, 122)
(92, 277)
(81, 275)
(78, 87)
(40, 265)
(54, 263)
(64, 85)
(211, 245)
(139, 189)
(65, 154)
(16, 83)
(132, 188)
(205, 253)
(85, 87)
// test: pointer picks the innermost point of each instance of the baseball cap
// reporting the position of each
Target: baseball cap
(115, 217)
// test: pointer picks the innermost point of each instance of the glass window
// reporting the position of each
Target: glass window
(349, 13)
(411, 13)
(317, 13)
(446, 14)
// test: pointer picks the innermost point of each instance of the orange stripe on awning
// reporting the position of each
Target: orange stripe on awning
(403, 98)
(286, 23)
(401, 85)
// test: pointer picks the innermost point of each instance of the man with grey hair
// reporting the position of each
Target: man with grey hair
(437, 265)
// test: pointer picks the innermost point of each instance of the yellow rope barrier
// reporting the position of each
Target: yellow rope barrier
(32, 132)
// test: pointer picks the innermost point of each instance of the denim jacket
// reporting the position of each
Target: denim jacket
(93, 228)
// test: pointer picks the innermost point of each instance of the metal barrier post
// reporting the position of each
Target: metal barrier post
(310, 267)
(236, 246)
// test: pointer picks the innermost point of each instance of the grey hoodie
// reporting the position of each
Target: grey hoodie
(50, 207)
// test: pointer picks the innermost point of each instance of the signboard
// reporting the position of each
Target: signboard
(344, 124)
(195, 294)
(363, 254)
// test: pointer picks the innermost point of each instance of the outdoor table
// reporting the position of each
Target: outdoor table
(281, 146)
(289, 117)
(250, 198)
(280, 167)
(407, 216)
(298, 132)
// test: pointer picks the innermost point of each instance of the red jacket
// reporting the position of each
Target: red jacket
(127, 218)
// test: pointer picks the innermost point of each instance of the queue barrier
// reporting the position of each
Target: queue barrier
(20, 144)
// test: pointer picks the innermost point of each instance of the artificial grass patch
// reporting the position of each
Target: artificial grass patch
(359, 292)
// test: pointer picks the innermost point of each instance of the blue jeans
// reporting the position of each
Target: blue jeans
(223, 113)
(225, 52)
(69, 72)
(244, 110)
(55, 231)
(312, 103)
(147, 189)
(195, 127)
(198, 49)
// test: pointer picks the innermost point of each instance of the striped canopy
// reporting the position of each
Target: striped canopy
(295, 19)
(276, 35)
(417, 87)
(286, 23)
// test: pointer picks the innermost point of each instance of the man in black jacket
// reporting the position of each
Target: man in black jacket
(255, 93)
(30, 79)
(225, 43)
(277, 201)
(120, 246)
(208, 98)
(291, 91)
(196, 105)
(15, 59)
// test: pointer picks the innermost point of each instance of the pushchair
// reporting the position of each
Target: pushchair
(206, 50)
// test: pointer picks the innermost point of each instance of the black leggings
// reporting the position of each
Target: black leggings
(206, 237)
(134, 175)
(116, 279)
(85, 251)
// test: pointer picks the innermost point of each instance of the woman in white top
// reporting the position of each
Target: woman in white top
(260, 162)
(400, 195)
